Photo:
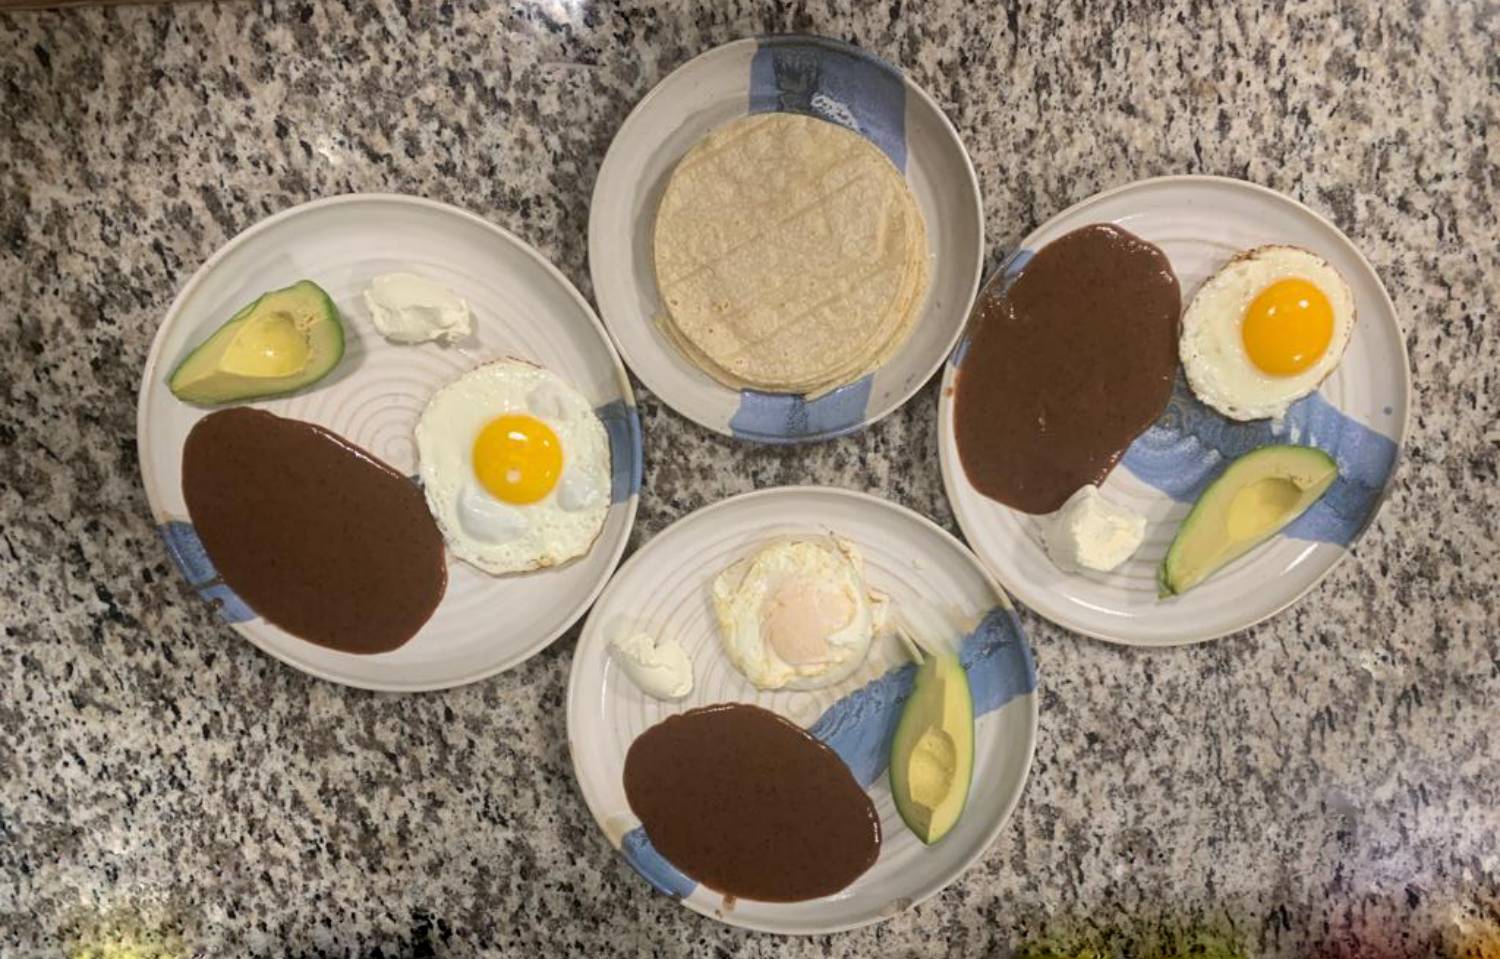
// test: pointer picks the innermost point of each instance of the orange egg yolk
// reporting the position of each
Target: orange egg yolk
(1287, 327)
(517, 458)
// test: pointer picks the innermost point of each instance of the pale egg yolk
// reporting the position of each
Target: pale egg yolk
(1287, 327)
(800, 615)
(517, 458)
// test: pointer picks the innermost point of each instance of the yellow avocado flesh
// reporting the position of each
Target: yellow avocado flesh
(1255, 498)
(267, 346)
(283, 341)
(932, 755)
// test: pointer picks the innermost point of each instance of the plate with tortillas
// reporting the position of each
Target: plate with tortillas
(785, 239)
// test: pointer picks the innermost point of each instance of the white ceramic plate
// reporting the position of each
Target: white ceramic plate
(1359, 416)
(819, 77)
(664, 590)
(522, 307)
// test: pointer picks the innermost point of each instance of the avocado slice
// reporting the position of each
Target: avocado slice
(932, 756)
(283, 341)
(1256, 497)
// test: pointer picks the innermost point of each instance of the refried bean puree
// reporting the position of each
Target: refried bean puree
(1066, 367)
(312, 532)
(750, 805)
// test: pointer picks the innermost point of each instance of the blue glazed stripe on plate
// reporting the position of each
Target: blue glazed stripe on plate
(860, 726)
(187, 551)
(227, 603)
(788, 418)
(653, 866)
(1191, 444)
(623, 424)
(835, 82)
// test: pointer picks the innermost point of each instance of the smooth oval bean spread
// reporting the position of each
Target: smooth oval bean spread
(750, 804)
(312, 532)
(1066, 366)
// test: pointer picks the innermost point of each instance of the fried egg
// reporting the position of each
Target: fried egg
(1265, 330)
(515, 466)
(797, 614)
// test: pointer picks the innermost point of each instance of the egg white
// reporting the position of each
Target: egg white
(1212, 347)
(741, 592)
(486, 532)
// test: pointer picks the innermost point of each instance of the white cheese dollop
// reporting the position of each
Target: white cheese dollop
(1089, 532)
(661, 668)
(408, 308)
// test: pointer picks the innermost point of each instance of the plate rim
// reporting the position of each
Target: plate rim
(149, 374)
(945, 401)
(596, 243)
(870, 500)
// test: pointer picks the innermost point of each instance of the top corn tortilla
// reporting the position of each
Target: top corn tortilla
(790, 254)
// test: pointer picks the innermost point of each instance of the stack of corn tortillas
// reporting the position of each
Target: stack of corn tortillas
(790, 255)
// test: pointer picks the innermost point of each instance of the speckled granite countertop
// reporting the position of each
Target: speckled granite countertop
(1328, 781)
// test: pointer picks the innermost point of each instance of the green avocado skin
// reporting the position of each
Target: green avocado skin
(199, 379)
(1202, 545)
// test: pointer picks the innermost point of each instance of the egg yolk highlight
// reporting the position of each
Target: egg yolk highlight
(1287, 327)
(517, 458)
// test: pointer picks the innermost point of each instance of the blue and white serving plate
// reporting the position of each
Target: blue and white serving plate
(1359, 416)
(522, 307)
(797, 74)
(664, 589)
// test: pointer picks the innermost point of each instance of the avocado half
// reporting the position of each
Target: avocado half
(932, 755)
(1253, 500)
(286, 339)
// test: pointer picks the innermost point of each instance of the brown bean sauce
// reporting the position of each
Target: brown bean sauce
(750, 805)
(1066, 367)
(313, 533)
